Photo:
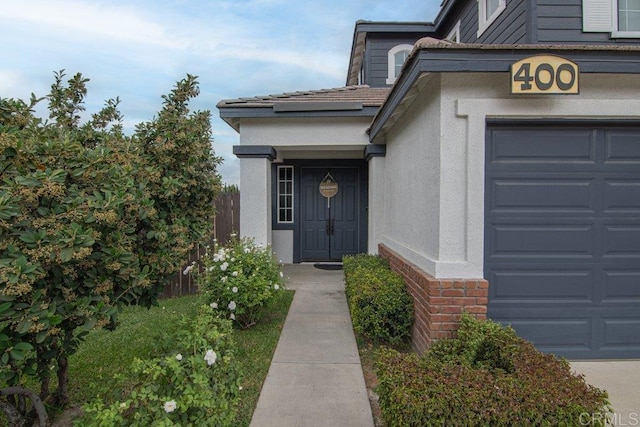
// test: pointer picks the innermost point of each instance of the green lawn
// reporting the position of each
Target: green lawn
(99, 367)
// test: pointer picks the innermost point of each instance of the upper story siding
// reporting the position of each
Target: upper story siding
(521, 22)
(560, 22)
(509, 28)
(376, 55)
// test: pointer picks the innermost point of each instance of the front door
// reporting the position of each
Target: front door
(329, 228)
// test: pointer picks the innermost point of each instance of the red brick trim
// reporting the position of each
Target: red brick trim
(438, 302)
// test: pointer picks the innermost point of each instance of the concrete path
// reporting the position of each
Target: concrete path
(621, 379)
(315, 378)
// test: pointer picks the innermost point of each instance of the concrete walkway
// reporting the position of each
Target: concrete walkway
(621, 379)
(315, 378)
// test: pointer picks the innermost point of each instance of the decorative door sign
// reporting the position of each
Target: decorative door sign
(328, 188)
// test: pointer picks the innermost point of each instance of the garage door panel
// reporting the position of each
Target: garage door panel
(622, 145)
(556, 334)
(621, 286)
(621, 241)
(542, 195)
(619, 332)
(529, 286)
(621, 195)
(543, 146)
(515, 241)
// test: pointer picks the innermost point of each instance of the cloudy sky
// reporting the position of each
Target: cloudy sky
(138, 49)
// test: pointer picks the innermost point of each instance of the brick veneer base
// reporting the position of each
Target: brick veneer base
(438, 302)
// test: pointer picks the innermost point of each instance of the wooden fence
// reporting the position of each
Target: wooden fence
(226, 223)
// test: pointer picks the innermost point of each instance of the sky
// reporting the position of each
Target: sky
(138, 49)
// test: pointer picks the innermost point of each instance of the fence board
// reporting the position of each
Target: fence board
(225, 223)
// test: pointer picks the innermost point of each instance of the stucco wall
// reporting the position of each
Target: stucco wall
(412, 176)
(310, 133)
(377, 212)
(435, 160)
(255, 200)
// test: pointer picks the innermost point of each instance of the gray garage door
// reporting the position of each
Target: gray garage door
(562, 236)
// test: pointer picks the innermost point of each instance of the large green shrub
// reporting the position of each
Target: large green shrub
(196, 383)
(485, 376)
(239, 279)
(380, 305)
(91, 220)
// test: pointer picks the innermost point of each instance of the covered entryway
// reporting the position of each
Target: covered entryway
(562, 235)
(329, 228)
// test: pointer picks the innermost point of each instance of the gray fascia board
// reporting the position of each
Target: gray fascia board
(394, 27)
(497, 60)
(485, 60)
(375, 150)
(288, 107)
(261, 112)
(255, 151)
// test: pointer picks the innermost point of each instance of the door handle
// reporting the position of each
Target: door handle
(333, 226)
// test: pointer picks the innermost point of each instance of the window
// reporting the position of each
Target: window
(395, 59)
(621, 18)
(285, 194)
(488, 11)
(629, 15)
(454, 34)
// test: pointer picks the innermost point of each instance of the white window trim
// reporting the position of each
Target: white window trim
(617, 33)
(601, 16)
(391, 63)
(483, 23)
(454, 34)
(278, 194)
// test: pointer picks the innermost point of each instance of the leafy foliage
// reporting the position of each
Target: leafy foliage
(196, 383)
(380, 305)
(486, 375)
(240, 279)
(91, 220)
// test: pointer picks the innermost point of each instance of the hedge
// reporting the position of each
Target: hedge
(380, 305)
(486, 375)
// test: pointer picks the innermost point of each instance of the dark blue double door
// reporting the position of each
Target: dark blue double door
(329, 229)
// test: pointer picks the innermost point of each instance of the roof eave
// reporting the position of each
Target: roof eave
(429, 57)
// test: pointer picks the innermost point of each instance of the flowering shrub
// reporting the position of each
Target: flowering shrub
(198, 384)
(240, 279)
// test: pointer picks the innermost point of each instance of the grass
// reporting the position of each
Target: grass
(99, 367)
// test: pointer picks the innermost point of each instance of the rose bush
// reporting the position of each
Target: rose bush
(240, 279)
(197, 382)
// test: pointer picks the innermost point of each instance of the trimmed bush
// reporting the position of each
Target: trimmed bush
(380, 305)
(487, 375)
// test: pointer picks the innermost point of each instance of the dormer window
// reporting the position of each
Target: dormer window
(395, 59)
(454, 34)
(488, 11)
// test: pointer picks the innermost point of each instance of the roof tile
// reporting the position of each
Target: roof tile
(370, 97)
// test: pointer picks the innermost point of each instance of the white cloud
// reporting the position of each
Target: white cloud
(137, 49)
(81, 19)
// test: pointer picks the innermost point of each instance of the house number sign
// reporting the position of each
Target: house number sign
(544, 74)
(328, 187)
